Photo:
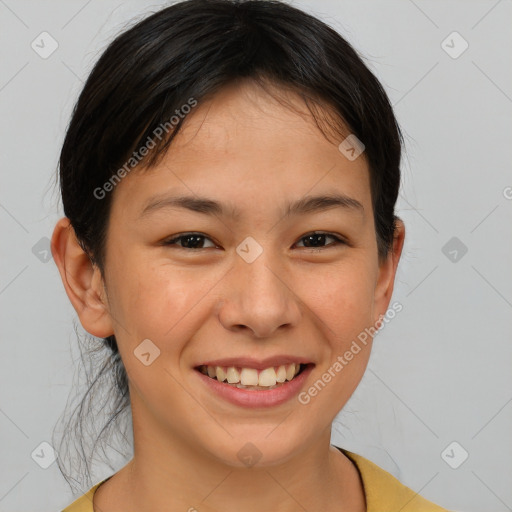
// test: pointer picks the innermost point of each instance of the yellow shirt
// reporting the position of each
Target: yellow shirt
(383, 492)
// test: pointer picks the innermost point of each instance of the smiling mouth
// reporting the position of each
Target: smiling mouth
(251, 378)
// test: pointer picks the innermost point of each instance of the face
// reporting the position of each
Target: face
(256, 277)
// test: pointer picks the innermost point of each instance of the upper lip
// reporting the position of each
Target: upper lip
(257, 364)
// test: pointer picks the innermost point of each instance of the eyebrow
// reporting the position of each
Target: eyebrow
(308, 204)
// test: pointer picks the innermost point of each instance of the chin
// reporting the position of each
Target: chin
(247, 451)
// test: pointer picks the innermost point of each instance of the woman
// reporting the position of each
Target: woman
(229, 177)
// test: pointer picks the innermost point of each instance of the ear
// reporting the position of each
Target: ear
(82, 280)
(387, 272)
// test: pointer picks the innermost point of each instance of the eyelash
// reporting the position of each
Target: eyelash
(338, 241)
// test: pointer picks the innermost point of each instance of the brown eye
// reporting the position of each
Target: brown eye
(317, 240)
(189, 241)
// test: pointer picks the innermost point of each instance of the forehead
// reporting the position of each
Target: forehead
(247, 112)
(247, 145)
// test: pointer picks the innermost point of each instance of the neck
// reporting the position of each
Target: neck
(170, 472)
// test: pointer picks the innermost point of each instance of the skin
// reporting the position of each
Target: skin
(246, 150)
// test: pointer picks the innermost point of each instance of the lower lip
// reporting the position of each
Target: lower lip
(257, 398)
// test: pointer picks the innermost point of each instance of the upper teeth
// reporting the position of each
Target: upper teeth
(252, 377)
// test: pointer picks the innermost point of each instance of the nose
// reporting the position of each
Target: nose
(258, 297)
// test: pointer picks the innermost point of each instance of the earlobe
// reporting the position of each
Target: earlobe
(387, 273)
(82, 280)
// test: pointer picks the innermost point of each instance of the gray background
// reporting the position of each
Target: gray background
(440, 371)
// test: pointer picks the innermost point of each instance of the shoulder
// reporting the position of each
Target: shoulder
(84, 503)
(385, 493)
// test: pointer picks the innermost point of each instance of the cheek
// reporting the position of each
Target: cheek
(342, 297)
(155, 303)
(160, 303)
(343, 302)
